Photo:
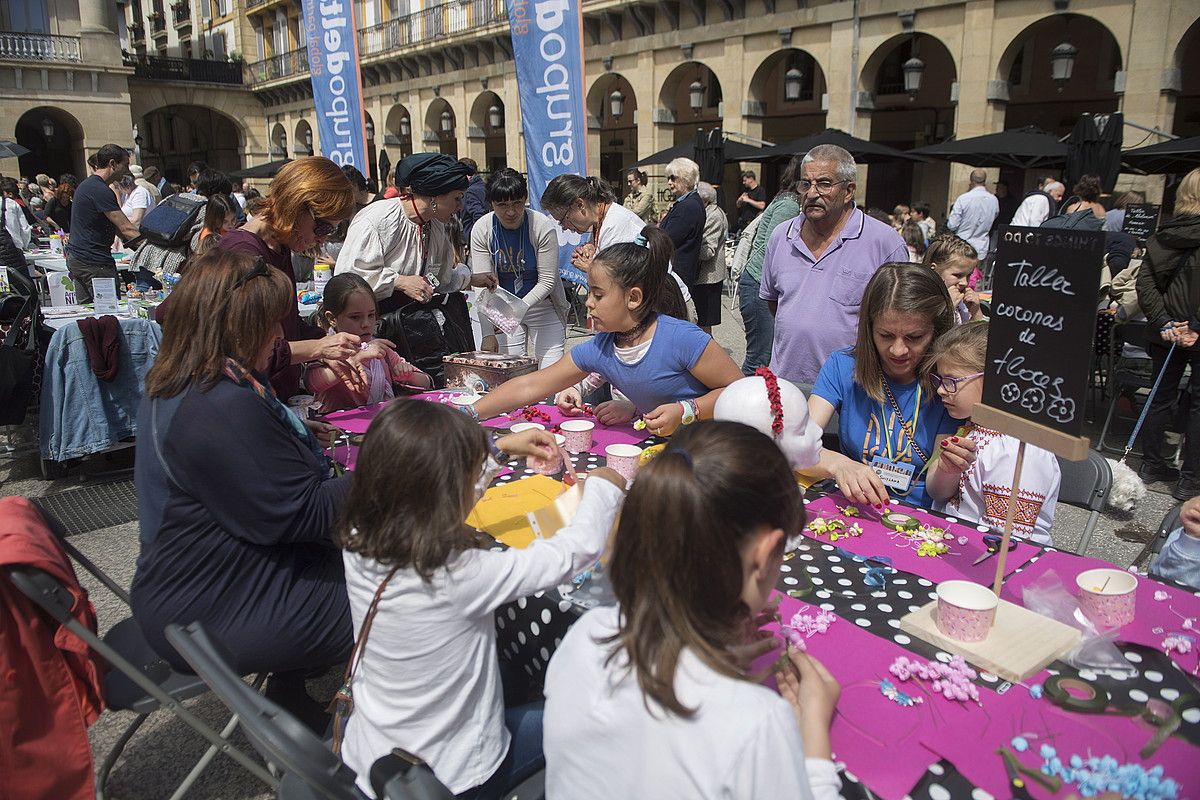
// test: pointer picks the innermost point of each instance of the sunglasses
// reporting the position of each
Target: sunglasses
(260, 268)
(323, 227)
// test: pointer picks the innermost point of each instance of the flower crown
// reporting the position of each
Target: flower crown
(773, 398)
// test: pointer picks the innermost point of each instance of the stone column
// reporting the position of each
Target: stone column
(97, 43)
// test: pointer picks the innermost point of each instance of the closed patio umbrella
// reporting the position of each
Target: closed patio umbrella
(864, 152)
(266, 170)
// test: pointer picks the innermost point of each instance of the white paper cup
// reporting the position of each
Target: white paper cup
(464, 399)
(1108, 596)
(965, 610)
(578, 433)
(624, 459)
(527, 426)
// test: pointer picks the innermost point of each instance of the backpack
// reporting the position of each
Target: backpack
(169, 224)
(1083, 219)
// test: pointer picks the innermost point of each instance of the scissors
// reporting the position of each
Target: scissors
(992, 543)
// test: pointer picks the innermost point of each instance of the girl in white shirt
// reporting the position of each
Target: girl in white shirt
(647, 699)
(427, 679)
(972, 475)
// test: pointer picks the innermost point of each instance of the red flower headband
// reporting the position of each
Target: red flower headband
(773, 398)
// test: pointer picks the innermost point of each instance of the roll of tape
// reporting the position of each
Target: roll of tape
(1076, 694)
(899, 522)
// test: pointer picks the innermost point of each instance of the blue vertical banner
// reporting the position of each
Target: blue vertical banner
(336, 81)
(547, 37)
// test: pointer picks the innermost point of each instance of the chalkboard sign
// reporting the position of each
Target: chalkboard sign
(1044, 293)
(1141, 221)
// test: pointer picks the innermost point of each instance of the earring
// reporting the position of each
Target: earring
(433, 206)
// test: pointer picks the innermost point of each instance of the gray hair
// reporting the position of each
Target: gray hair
(1052, 185)
(707, 193)
(845, 169)
(686, 170)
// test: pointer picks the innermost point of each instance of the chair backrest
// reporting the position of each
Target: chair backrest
(56, 527)
(1170, 522)
(278, 736)
(1085, 484)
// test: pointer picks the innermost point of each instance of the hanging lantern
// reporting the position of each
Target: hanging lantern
(616, 103)
(914, 68)
(696, 96)
(48, 127)
(405, 128)
(283, 143)
(447, 122)
(793, 79)
(370, 131)
(308, 139)
(495, 117)
(1062, 63)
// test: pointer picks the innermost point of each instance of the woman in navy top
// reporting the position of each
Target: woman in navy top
(889, 415)
(668, 368)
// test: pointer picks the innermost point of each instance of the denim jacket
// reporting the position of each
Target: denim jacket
(1179, 560)
(81, 414)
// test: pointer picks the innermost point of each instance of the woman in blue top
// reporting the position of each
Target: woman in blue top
(889, 415)
(668, 368)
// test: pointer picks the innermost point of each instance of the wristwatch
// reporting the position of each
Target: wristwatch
(689, 411)
(499, 456)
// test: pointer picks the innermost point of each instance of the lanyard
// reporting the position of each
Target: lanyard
(904, 425)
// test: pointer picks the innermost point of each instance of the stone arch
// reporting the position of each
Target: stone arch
(433, 136)
(55, 141)
(1187, 102)
(395, 137)
(784, 119)
(674, 101)
(175, 135)
(303, 142)
(495, 155)
(883, 67)
(616, 137)
(279, 141)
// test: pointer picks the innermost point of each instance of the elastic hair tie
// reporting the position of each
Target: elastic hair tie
(773, 398)
(683, 454)
(640, 241)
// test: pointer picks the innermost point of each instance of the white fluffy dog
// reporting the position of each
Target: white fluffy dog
(1127, 489)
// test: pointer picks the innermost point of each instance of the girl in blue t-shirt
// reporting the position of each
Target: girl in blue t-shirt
(669, 369)
(889, 414)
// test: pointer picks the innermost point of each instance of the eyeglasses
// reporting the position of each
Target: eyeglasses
(323, 227)
(823, 185)
(260, 268)
(562, 220)
(952, 385)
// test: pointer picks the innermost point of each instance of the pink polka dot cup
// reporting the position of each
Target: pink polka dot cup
(965, 610)
(1107, 596)
(623, 458)
(578, 433)
(543, 466)
(527, 426)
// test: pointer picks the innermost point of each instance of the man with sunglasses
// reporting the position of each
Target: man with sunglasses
(95, 220)
(817, 266)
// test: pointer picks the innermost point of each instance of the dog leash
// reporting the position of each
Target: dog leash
(1146, 407)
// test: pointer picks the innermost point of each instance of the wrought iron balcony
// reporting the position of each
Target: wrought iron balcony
(429, 24)
(192, 70)
(38, 47)
(183, 14)
(284, 65)
(158, 22)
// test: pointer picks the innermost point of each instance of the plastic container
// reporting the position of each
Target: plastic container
(56, 244)
(321, 275)
(503, 308)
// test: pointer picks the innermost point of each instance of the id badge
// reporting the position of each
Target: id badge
(897, 477)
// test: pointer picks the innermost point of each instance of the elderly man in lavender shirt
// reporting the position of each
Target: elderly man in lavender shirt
(818, 264)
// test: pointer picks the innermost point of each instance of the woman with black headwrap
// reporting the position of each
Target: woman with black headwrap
(402, 249)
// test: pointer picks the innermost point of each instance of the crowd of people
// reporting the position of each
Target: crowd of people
(872, 316)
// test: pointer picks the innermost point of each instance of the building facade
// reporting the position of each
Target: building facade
(227, 80)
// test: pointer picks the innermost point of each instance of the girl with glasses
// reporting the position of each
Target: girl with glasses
(971, 475)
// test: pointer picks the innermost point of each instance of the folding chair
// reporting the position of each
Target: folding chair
(1170, 522)
(1124, 373)
(310, 769)
(138, 679)
(1085, 484)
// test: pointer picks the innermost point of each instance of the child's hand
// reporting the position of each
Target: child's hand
(758, 644)
(664, 420)
(569, 402)
(971, 300)
(375, 349)
(531, 444)
(958, 453)
(615, 412)
(860, 483)
(609, 474)
(339, 347)
(1189, 515)
(813, 693)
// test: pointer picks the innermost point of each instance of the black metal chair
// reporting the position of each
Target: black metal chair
(1085, 484)
(138, 679)
(1131, 374)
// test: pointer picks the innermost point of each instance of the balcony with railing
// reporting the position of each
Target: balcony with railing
(182, 13)
(158, 23)
(190, 70)
(41, 47)
(430, 23)
(283, 65)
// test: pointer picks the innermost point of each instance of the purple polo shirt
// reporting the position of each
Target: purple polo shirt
(818, 299)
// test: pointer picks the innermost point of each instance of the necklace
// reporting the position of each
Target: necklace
(422, 230)
(626, 338)
(599, 223)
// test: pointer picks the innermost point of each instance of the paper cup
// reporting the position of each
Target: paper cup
(965, 610)
(624, 459)
(465, 399)
(527, 426)
(578, 433)
(1107, 596)
(542, 466)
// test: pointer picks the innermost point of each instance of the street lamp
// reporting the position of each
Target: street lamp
(308, 139)
(405, 128)
(447, 123)
(792, 81)
(914, 68)
(48, 127)
(370, 131)
(616, 103)
(1062, 62)
(496, 117)
(696, 96)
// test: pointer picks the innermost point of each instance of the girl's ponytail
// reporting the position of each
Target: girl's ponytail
(668, 299)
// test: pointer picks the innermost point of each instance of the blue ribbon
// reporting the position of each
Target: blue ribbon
(876, 576)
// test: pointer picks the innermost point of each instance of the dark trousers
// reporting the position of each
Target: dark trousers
(759, 322)
(82, 275)
(1161, 409)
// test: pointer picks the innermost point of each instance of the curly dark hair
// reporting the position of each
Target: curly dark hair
(1087, 188)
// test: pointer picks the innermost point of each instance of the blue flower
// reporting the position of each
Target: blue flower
(1076, 761)
(1047, 751)
(1020, 744)
(1035, 691)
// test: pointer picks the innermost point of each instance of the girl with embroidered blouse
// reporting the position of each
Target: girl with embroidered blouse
(671, 371)
(889, 415)
(424, 588)
(348, 306)
(654, 697)
(971, 476)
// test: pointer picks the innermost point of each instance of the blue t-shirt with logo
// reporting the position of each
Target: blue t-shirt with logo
(514, 256)
(662, 376)
(868, 428)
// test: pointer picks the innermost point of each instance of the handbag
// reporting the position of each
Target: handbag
(343, 702)
(18, 351)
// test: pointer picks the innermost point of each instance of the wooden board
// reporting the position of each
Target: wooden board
(1072, 448)
(1020, 644)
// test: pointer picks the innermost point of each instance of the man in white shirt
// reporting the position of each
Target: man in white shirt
(14, 217)
(974, 212)
(1037, 207)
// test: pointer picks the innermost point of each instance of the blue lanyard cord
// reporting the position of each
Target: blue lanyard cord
(1146, 407)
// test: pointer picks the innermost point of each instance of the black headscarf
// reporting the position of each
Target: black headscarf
(432, 174)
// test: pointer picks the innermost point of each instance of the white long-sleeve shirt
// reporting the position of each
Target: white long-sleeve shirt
(544, 237)
(601, 741)
(18, 227)
(972, 217)
(1033, 211)
(383, 243)
(429, 679)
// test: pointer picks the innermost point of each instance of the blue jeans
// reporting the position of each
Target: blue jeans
(524, 756)
(759, 322)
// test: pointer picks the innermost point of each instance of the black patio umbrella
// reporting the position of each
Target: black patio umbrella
(864, 152)
(1094, 148)
(12, 150)
(385, 166)
(734, 151)
(1177, 155)
(1023, 148)
(710, 155)
(266, 170)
